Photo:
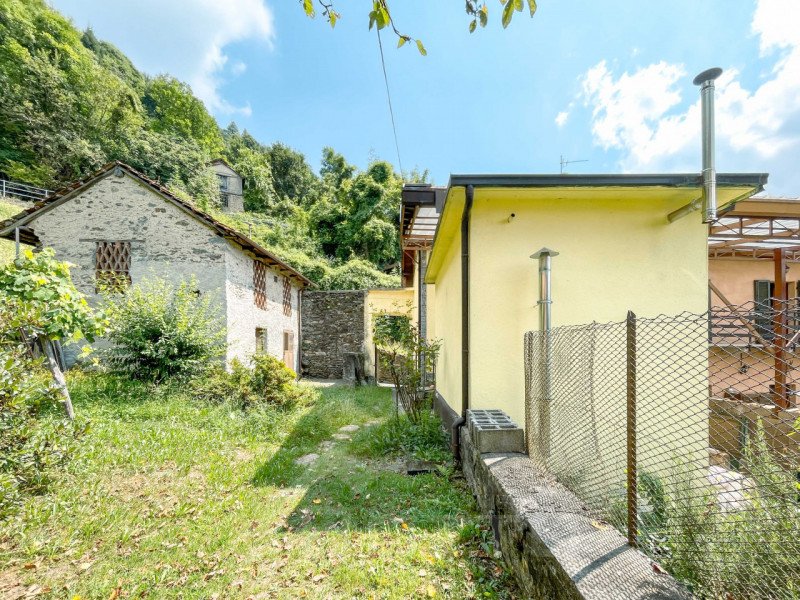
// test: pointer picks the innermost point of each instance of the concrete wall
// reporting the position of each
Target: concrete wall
(333, 322)
(244, 316)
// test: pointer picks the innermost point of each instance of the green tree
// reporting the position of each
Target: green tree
(176, 110)
(292, 176)
(46, 308)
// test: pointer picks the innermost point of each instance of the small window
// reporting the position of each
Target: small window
(260, 284)
(287, 297)
(261, 340)
(223, 182)
(224, 199)
(112, 266)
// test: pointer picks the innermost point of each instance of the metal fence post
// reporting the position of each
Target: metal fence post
(631, 427)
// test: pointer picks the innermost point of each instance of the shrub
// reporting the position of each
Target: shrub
(267, 381)
(160, 330)
(423, 439)
(410, 361)
(30, 448)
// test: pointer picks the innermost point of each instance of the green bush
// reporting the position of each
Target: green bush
(267, 381)
(160, 330)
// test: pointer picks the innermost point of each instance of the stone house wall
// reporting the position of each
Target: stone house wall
(244, 316)
(334, 322)
(235, 189)
(166, 242)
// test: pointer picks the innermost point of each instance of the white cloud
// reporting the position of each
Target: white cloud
(561, 118)
(188, 40)
(227, 22)
(238, 68)
(644, 115)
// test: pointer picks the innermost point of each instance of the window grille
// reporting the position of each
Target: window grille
(224, 199)
(287, 297)
(112, 265)
(260, 284)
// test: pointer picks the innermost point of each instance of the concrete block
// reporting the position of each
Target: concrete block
(493, 430)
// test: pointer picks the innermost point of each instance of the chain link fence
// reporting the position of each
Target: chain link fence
(682, 432)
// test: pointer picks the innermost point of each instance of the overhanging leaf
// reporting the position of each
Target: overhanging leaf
(508, 13)
(421, 48)
(532, 6)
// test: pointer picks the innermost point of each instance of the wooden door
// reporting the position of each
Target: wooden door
(288, 348)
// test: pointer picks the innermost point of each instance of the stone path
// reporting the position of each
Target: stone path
(342, 436)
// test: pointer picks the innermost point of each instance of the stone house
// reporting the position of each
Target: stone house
(119, 222)
(231, 186)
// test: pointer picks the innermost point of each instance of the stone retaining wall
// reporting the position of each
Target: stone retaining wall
(554, 547)
(333, 322)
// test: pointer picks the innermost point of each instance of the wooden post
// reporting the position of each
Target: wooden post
(58, 376)
(779, 305)
(630, 428)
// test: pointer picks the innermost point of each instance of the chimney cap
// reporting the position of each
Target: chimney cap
(707, 75)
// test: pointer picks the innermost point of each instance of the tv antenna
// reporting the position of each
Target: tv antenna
(564, 162)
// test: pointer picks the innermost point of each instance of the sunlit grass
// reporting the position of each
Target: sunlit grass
(7, 247)
(171, 497)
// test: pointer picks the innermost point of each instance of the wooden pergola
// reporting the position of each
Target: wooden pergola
(419, 217)
(764, 229)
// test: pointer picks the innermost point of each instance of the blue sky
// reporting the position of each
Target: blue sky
(608, 82)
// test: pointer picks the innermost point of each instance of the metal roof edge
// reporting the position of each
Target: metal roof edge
(608, 180)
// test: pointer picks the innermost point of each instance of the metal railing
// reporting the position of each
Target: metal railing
(752, 324)
(22, 190)
(690, 449)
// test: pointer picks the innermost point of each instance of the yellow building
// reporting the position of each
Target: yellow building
(617, 251)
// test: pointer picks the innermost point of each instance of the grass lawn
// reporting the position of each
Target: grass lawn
(171, 497)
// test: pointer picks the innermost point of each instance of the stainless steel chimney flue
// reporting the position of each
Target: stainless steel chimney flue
(706, 82)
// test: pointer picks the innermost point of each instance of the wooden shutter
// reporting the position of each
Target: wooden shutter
(112, 265)
(260, 284)
(287, 297)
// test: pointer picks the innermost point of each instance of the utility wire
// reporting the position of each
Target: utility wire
(389, 98)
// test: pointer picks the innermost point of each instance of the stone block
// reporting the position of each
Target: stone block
(493, 430)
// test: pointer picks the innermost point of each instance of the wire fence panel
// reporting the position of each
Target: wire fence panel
(684, 433)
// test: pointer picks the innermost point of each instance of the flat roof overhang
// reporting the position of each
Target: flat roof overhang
(680, 187)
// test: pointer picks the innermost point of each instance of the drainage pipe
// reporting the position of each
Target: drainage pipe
(459, 422)
(545, 303)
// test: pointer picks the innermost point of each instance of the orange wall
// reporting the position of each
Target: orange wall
(735, 277)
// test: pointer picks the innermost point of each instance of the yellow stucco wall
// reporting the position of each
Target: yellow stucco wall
(445, 305)
(398, 301)
(430, 291)
(617, 252)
